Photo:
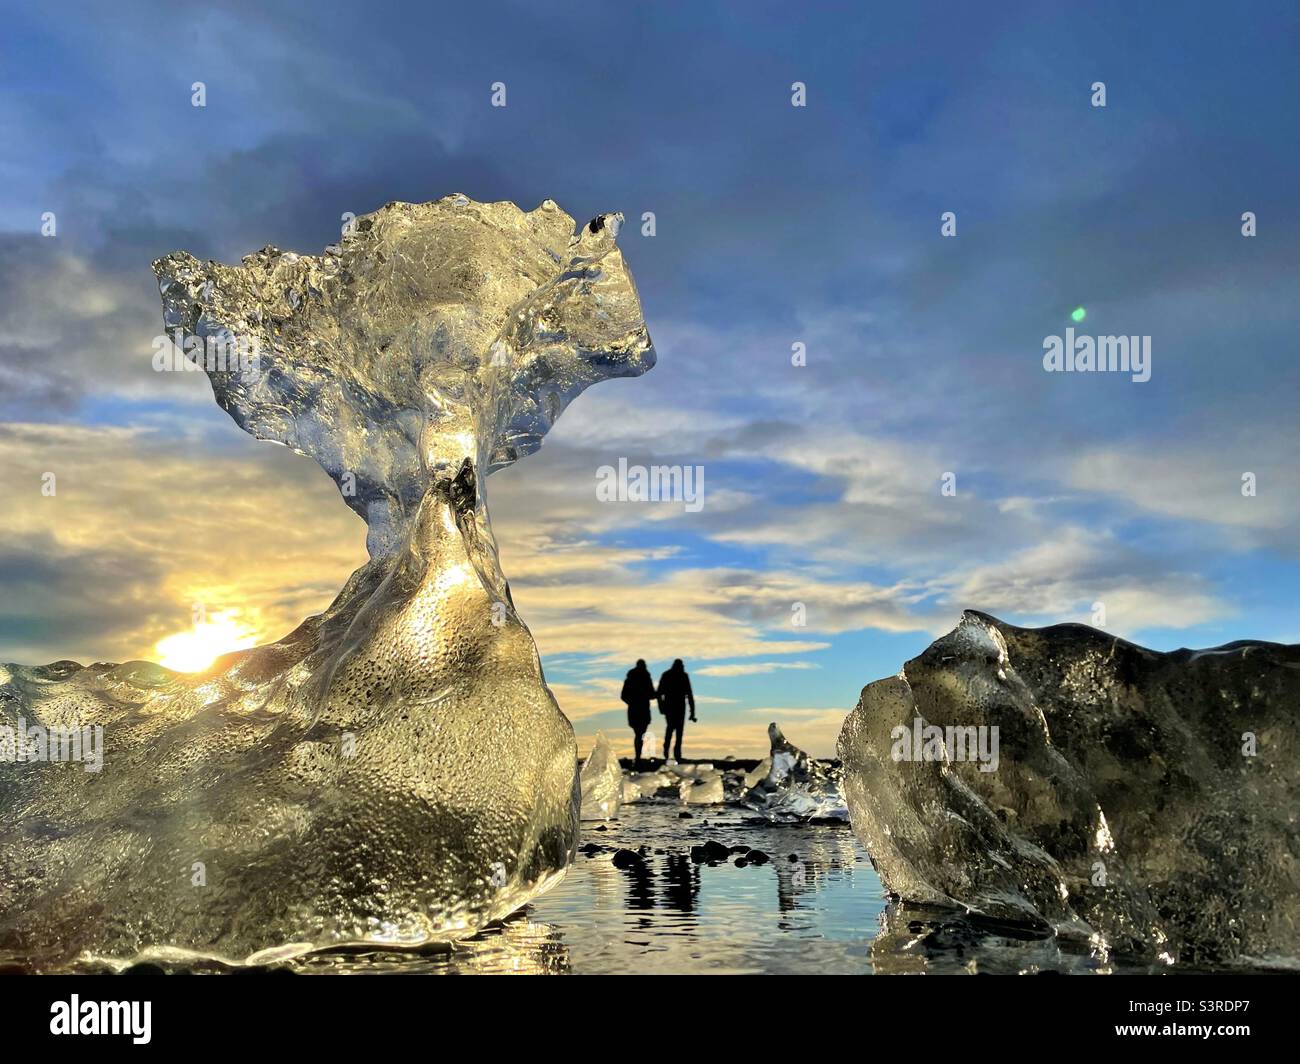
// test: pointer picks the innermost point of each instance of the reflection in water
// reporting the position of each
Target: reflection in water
(640, 892)
(683, 878)
(517, 946)
(815, 905)
(657, 910)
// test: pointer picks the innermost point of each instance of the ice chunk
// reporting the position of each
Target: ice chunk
(1084, 788)
(655, 784)
(795, 786)
(702, 790)
(689, 772)
(601, 782)
(758, 772)
(396, 769)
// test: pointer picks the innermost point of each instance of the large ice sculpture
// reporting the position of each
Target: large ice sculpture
(396, 769)
(1087, 792)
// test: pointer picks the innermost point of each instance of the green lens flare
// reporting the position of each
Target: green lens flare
(1078, 314)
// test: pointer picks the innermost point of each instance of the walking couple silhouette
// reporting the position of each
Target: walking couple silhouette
(673, 695)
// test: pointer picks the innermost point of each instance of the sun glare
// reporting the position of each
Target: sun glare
(198, 648)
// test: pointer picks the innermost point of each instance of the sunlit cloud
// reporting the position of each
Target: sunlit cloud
(148, 529)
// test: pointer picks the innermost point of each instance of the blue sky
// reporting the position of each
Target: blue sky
(774, 225)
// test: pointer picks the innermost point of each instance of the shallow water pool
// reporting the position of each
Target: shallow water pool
(669, 913)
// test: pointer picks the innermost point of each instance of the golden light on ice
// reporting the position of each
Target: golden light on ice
(198, 648)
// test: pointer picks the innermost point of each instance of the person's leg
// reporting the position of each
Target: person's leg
(668, 735)
(681, 727)
(637, 744)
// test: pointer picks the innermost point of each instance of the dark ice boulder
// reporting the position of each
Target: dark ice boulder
(1075, 785)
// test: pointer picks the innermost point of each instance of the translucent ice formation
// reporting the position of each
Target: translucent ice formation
(795, 786)
(396, 769)
(704, 789)
(601, 782)
(758, 772)
(658, 784)
(703, 770)
(1083, 791)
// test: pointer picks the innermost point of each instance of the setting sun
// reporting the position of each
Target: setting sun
(198, 648)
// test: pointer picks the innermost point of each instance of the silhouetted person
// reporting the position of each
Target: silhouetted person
(674, 694)
(638, 690)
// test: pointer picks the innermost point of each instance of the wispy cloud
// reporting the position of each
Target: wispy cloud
(753, 668)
